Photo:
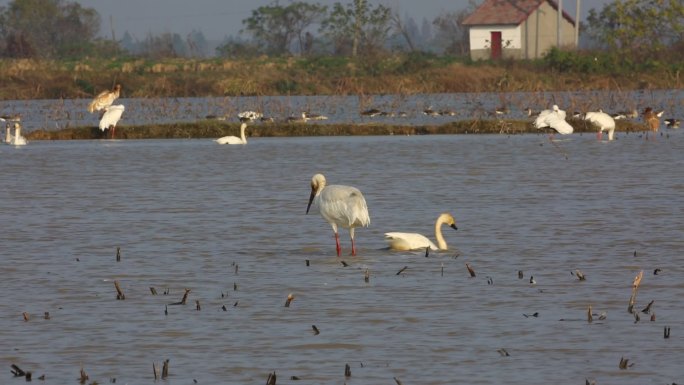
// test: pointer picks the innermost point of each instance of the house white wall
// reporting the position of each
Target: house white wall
(480, 36)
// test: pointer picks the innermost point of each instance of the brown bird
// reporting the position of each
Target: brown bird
(104, 99)
(651, 119)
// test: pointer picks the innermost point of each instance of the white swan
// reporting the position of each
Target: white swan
(16, 139)
(8, 136)
(339, 205)
(604, 122)
(415, 241)
(234, 139)
(554, 119)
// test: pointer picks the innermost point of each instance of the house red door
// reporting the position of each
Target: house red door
(496, 45)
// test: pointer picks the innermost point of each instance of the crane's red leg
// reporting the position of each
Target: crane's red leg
(353, 247)
(599, 135)
(337, 244)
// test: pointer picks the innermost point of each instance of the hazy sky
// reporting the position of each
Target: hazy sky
(219, 18)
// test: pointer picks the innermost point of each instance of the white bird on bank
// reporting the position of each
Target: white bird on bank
(415, 241)
(249, 116)
(310, 116)
(297, 119)
(16, 139)
(111, 117)
(554, 119)
(341, 206)
(104, 99)
(671, 123)
(603, 121)
(234, 139)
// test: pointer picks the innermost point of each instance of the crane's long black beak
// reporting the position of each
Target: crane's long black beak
(311, 198)
(454, 227)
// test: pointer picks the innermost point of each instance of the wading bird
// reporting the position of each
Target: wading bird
(415, 241)
(671, 123)
(104, 99)
(341, 206)
(234, 139)
(297, 119)
(249, 116)
(651, 119)
(603, 121)
(310, 116)
(371, 112)
(554, 119)
(110, 118)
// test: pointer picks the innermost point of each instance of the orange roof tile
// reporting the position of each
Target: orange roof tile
(507, 12)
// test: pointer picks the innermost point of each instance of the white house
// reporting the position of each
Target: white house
(520, 29)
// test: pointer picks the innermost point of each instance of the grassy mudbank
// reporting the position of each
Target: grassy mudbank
(215, 129)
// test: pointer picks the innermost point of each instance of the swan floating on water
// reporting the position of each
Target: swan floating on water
(341, 206)
(16, 139)
(234, 139)
(415, 241)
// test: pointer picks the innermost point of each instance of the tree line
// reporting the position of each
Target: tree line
(61, 29)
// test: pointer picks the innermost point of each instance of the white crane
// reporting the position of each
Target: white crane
(234, 139)
(554, 119)
(415, 241)
(104, 99)
(111, 117)
(341, 206)
(603, 121)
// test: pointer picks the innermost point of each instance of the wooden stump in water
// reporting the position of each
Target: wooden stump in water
(271, 380)
(165, 369)
(119, 293)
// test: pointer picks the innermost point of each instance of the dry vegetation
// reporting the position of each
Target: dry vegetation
(28, 79)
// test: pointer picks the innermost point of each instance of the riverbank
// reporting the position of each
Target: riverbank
(24, 79)
(215, 129)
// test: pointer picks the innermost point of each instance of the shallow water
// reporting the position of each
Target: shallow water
(228, 223)
(63, 113)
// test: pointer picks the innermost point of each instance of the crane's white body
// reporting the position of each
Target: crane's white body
(234, 139)
(603, 121)
(341, 206)
(415, 241)
(111, 116)
(554, 119)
